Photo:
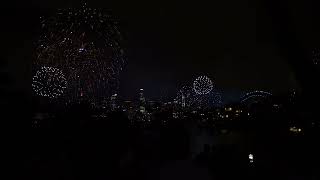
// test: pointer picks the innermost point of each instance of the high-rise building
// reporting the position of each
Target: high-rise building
(183, 101)
(113, 102)
(142, 101)
(141, 96)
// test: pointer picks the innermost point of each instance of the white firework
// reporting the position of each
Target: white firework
(49, 82)
(86, 44)
(202, 85)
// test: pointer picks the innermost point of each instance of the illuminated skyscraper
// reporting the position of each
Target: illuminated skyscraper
(113, 102)
(142, 101)
(183, 101)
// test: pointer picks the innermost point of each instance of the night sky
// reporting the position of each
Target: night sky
(241, 45)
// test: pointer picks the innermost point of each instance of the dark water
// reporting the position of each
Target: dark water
(109, 149)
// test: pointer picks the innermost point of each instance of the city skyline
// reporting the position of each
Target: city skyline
(118, 89)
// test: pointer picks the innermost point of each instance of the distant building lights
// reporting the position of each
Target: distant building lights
(295, 130)
(251, 158)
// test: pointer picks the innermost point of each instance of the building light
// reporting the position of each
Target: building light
(295, 130)
(81, 50)
(251, 158)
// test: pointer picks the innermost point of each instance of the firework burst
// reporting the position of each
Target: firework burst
(49, 82)
(85, 44)
(202, 85)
